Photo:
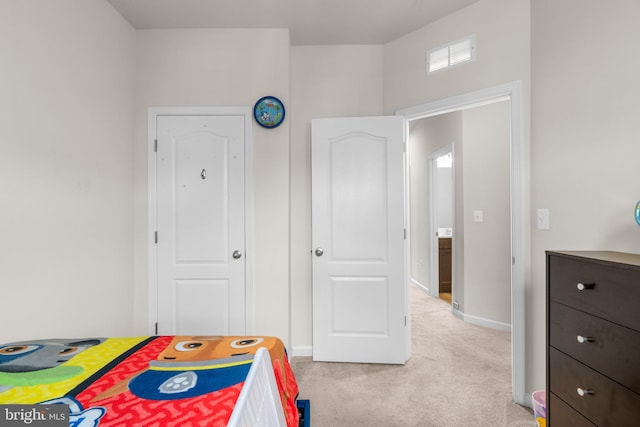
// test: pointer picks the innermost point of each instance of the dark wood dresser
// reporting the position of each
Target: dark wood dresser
(593, 339)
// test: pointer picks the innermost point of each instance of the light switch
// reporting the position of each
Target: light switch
(542, 219)
(478, 216)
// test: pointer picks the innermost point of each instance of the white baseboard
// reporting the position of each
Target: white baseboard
(302, 351)
(481, 321)
(420, 285)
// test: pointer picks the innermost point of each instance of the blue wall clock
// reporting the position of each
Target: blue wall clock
(638, 212)
(269, 112)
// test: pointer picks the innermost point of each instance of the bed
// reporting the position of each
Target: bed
(154, 380)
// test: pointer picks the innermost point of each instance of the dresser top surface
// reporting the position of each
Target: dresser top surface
(602, 256)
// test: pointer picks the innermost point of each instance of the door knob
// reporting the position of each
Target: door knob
(237, 254)
(319, 251)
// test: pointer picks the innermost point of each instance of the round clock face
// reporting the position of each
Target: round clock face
(638, 213)
(269, 112)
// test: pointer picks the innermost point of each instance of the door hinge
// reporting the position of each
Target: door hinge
(405, 234)
(155, 145)
(156, 328)
(156, 237)
(405, 320)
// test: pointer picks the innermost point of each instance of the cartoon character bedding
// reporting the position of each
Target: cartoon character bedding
(141, 381)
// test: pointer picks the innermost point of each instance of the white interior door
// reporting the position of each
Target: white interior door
(201, 224)
(359, 286)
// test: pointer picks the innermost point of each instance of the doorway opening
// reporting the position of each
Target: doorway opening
(510, 92)
(440, 218)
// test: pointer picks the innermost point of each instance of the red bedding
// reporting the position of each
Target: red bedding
(141, 381)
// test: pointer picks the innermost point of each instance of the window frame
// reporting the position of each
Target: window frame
(448, 47)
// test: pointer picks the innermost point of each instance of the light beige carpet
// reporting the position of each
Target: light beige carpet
(459, 375)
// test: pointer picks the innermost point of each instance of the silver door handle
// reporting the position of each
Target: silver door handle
(319, 251)
(237, 254)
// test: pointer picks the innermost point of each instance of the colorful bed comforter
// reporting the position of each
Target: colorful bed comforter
(141, 381)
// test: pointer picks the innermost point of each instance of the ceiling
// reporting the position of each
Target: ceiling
(311, 22)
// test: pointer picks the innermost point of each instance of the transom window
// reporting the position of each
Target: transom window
(455, 53)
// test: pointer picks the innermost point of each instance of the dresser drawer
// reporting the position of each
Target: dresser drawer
(611, 349)
(612, 291)
(609, 405)
(564, 415)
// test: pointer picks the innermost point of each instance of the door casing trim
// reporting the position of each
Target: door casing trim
(152, 258)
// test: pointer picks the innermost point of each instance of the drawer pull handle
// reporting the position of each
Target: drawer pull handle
(583, 340)
(583, 391)
(584, 286)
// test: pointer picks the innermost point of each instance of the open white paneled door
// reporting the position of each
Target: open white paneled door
(358, 236)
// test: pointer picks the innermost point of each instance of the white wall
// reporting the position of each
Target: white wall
(487, 245)
(326, 81)
(585, 147)
(66, 169)
(223, 67)
(418, 204)
(502, 36)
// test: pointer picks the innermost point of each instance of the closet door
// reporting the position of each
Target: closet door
(201, 224)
